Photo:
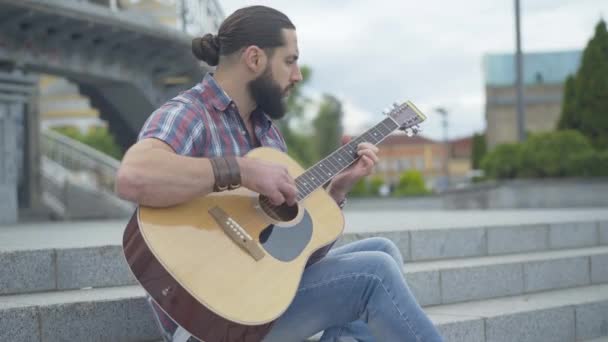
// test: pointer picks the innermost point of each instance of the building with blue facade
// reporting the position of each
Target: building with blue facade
(544, 76)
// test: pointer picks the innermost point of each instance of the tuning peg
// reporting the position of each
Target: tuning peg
(416, 129)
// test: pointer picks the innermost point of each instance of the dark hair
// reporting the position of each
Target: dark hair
(254, 25)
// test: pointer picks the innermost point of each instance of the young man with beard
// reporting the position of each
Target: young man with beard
(356, 292)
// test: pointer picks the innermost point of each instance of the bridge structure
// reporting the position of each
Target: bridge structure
(126, 63)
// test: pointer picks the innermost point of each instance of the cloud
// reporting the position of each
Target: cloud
(371, 54)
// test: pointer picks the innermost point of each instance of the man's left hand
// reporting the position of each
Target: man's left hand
(344, 181)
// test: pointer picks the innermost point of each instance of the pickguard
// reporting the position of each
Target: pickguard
(286, 243)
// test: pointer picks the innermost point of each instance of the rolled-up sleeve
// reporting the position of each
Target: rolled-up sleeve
(178, 125)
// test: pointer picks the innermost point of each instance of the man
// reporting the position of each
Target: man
(357, 291)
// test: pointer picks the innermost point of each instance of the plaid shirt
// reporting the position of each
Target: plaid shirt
(204, 122)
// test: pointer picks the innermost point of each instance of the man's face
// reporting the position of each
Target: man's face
(280, 76)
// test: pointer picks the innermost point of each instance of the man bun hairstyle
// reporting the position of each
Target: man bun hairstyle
(207, 49)
(255, 25)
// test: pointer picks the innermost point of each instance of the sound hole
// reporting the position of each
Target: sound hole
(283, 212)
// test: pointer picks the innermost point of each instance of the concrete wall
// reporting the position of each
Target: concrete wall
(10, 111)
(545, 193)
(70, 196)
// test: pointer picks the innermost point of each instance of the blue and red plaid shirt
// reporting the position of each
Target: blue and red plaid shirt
(204, 122)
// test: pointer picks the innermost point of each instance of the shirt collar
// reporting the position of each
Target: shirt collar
(215, 94)
(220, 101)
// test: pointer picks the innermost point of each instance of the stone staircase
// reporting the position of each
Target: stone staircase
(482, 276)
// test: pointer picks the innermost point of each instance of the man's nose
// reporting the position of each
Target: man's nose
(297, 75)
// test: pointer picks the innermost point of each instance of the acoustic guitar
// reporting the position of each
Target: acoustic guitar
(226, 265)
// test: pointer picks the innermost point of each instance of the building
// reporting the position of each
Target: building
(459, 161)
(544, 75)
(399, 153)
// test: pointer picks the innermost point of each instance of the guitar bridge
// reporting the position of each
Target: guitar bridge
(237, 233)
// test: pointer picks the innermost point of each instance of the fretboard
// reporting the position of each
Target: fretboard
(326, 169)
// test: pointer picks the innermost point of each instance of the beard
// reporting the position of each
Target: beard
(268, 95)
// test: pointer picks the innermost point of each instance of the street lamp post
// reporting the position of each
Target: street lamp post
(184, 15)
(446, 150)
(521, 128)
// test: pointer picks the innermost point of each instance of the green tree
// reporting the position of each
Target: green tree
(479, 150)
(590, 105)
(411, 183)
(299, 144)
(98, 138)
(101, 139)
(568, 118)
(328, 126)
(375, 183)
(550, 154)
(361, 188)
(502, 162)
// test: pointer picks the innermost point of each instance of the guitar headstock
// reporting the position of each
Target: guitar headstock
(407, 116)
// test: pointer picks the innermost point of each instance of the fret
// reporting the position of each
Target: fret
(316, 170)
(324, 171)
(309, 185)
(303, 187)
(315, 177)
(339, 155)
(384, 129)
(337, 166)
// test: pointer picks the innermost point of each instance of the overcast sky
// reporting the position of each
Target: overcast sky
(372, 53)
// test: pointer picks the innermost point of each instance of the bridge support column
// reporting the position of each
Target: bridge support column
(19, 146)
(11, 113)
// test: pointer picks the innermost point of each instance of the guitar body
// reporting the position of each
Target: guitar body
(211, 286)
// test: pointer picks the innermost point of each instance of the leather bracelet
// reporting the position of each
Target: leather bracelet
(219, 173)
(235, 173)
(226, 172)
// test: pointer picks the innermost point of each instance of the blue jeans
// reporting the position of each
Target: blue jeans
(356, 293)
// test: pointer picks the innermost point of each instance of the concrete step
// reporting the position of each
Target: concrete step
(601, 339)
(73, 256)
(437, 242)
(466, 279)
(433, 282)
(575, 314)
(121, 314)
(96, 315)
(28, 271)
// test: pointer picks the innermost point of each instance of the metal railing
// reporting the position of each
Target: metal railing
(89, 166)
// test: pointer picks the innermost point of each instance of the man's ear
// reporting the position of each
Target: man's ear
(255, 59)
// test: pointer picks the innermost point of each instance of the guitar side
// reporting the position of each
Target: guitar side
(206, 282)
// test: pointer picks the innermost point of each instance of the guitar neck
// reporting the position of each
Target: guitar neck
(326, 169)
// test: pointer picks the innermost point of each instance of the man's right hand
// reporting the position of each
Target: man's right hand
(269, 179)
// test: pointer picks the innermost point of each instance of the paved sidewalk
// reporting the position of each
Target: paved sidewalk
(101, 233)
